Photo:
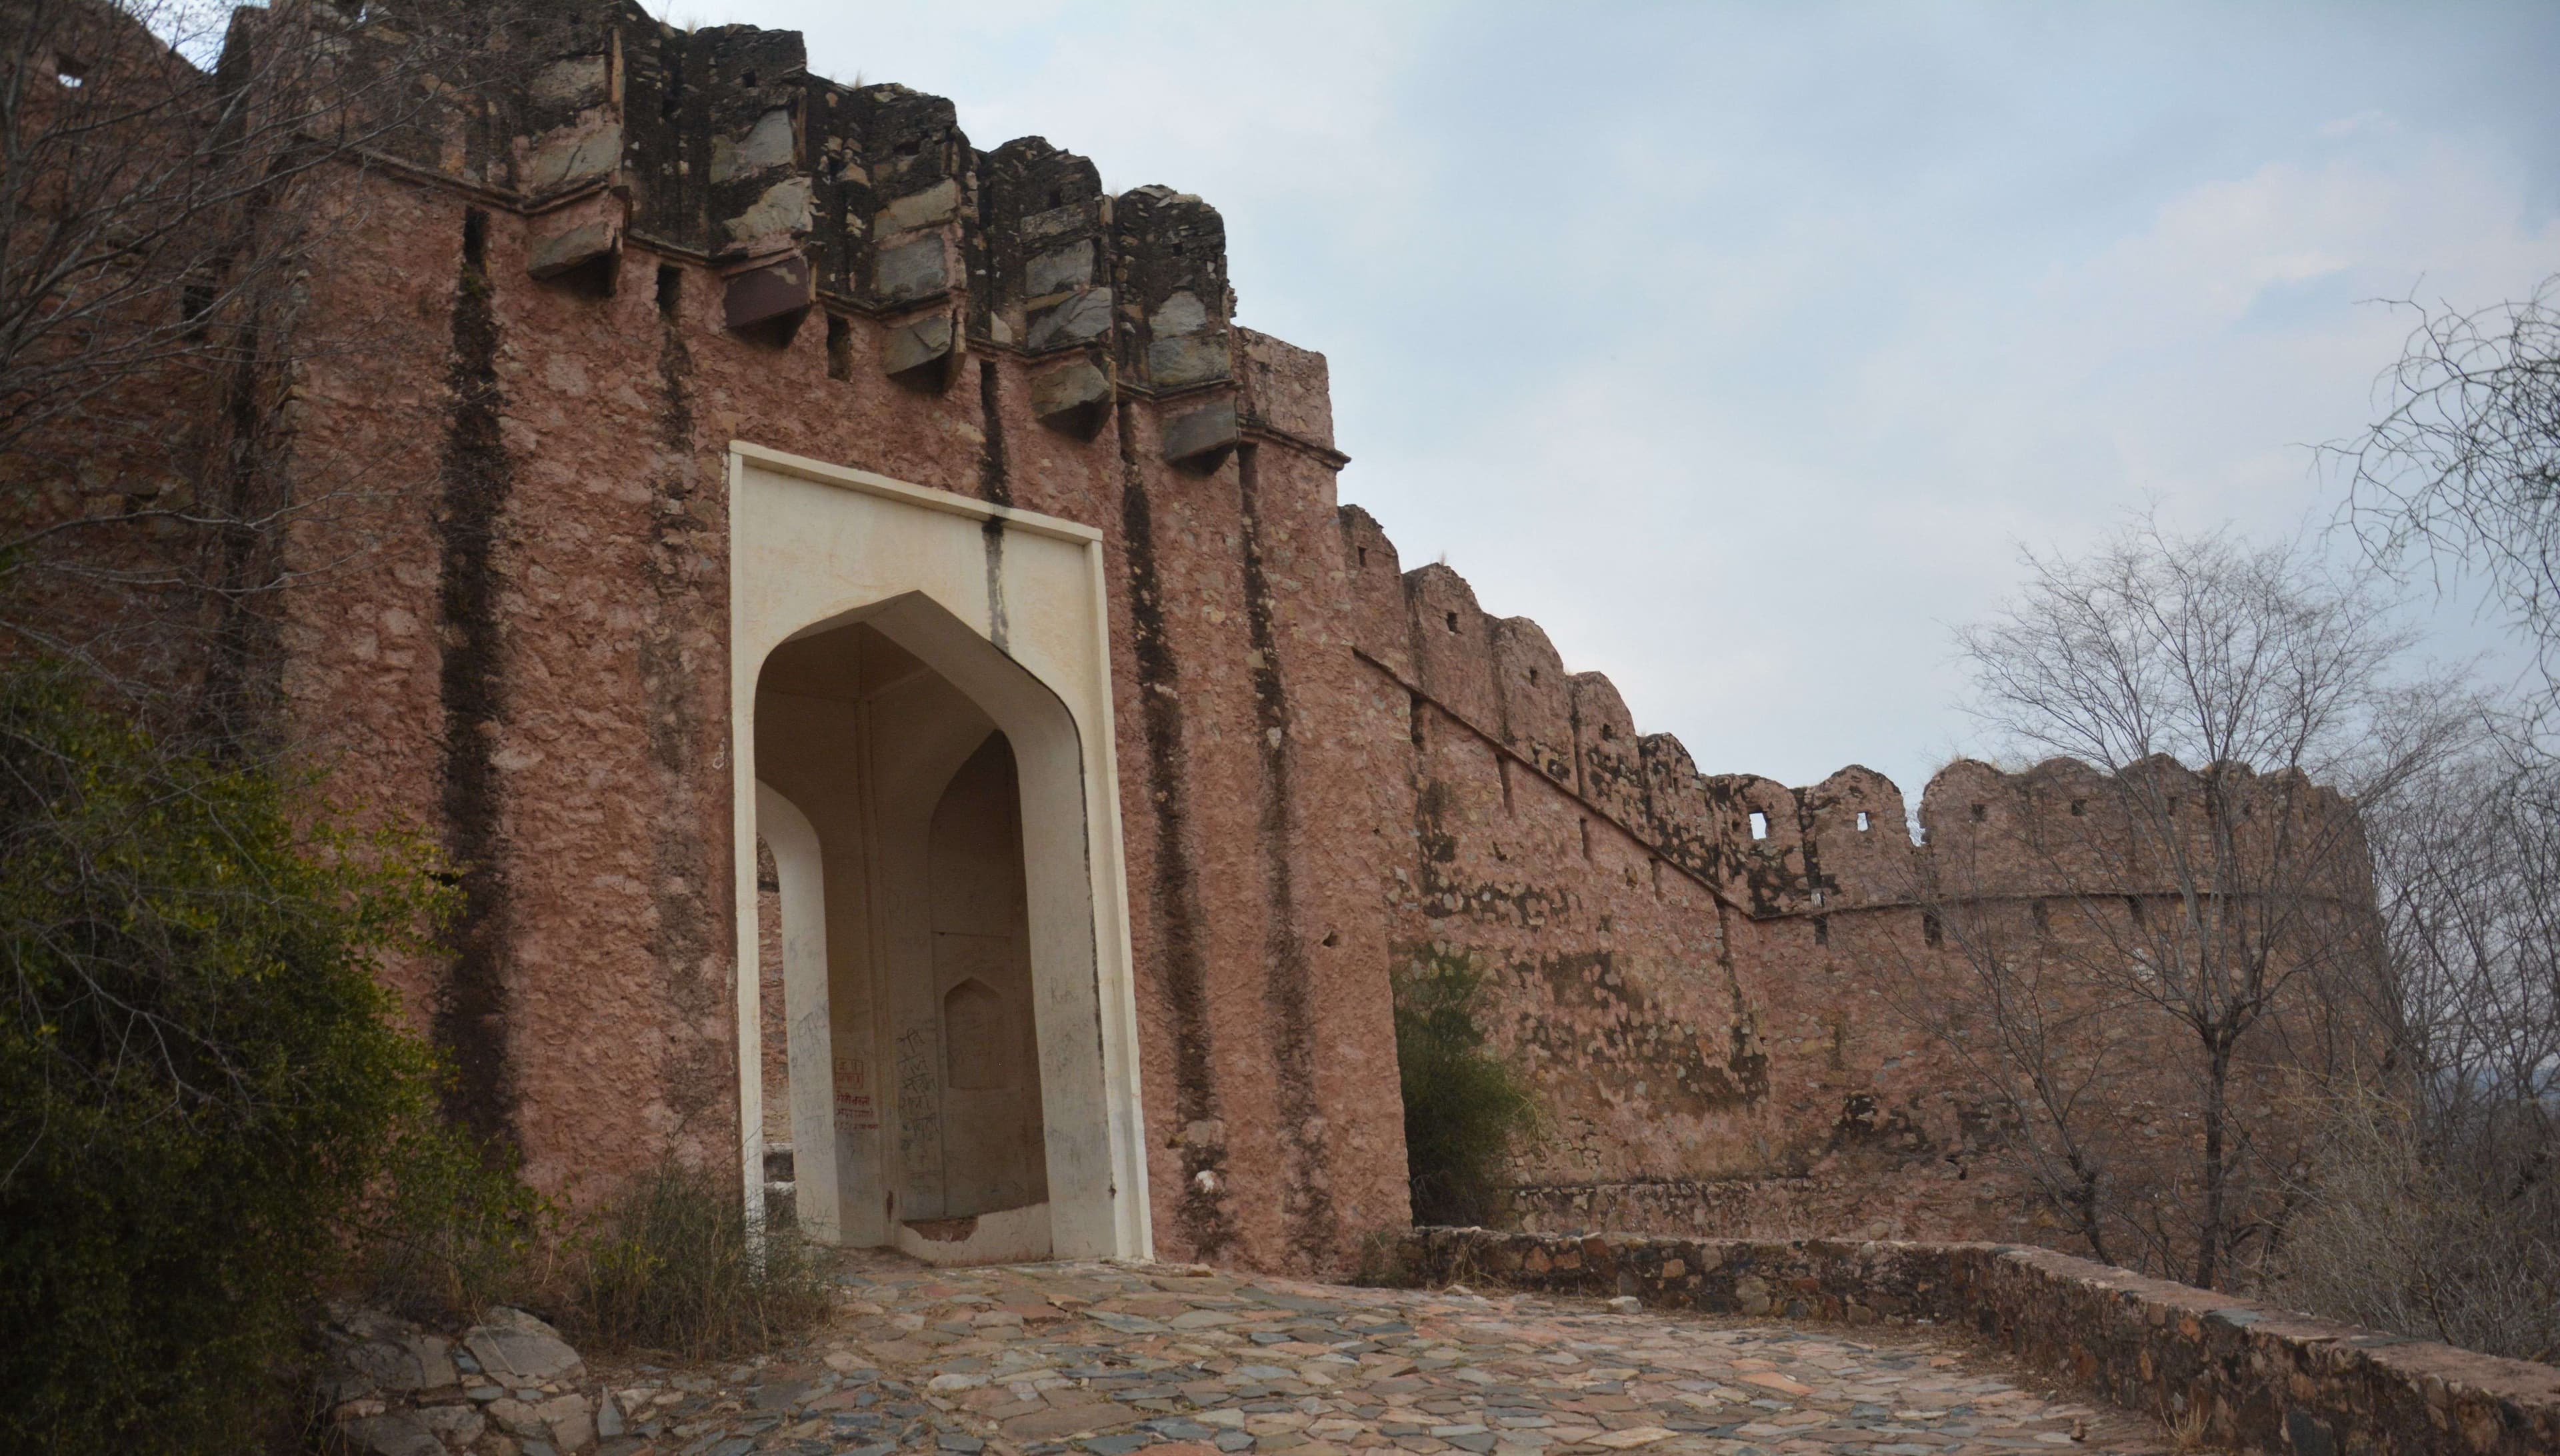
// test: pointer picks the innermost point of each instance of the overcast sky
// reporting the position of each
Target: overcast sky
(1742, 345)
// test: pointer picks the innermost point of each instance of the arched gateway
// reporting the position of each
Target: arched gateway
(920, 695)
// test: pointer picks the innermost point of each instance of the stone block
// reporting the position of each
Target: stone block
(1079, 320)
(778, 213)
(574, 249)
(767, 145)
(572, 155)
(570, 1420)
(1059, 269)
(923, 354)
(768, 293)
(512, 1345)
(1187, 359)
(1203, 438)
(1073, 398)
(459, 1426)
(1055, 222)
(929, 207)
(911, 271)
(396, 1434)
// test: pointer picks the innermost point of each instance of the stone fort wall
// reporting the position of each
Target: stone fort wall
(598, 248)
(1709, 976)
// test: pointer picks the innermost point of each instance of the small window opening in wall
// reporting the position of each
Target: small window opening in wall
(840, 347)
(2079, 807)
(475, 239)
(1759, 825)
(1607, 733)
(1057, 197)
(1822, 929)
(1931, 932)
(1415, 719)
(1980, 812)
(1363, 555)
(1586, 837)
(2134, 908)
(2172, 803)
(671, 288)
(69, 73)
(1656, 865)
(2043, 916)
(1453, 622)
(1532, 677)
(1861, 821)
(747, 78)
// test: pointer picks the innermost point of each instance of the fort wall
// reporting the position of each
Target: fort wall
(665, 241)
(1712, 978)
(596, 250)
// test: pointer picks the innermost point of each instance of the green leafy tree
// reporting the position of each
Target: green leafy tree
(1465, 1108)
(203, 1095)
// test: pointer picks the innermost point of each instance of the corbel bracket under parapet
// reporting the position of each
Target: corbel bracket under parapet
(925, 353)
(1074, 398)
(766, 299)
(1200, 439)
(579, 240)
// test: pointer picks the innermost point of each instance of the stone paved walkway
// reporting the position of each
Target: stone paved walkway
(1105, 1360)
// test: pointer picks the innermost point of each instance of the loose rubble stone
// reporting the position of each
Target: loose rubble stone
(456, 1425)
(396, 1434)
(512, 1345)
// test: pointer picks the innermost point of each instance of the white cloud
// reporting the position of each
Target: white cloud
(1738, 345)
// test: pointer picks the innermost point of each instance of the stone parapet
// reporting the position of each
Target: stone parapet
(2244, 1373)
(604, 124)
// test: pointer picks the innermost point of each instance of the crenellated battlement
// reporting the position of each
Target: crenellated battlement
(2059, 828)
(604, 125)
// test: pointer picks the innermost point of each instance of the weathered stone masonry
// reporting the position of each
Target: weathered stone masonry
(625, 245)
(2234, 1371)
(685, 239)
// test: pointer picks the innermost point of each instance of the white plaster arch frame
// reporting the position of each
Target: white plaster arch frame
(1009, 606)
(800, 870)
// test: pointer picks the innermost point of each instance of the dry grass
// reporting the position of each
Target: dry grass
(672, 1265)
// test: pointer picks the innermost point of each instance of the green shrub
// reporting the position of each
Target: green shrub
(1465, 1110)
(201, 1086)
(453, 1230)
(672, 1265)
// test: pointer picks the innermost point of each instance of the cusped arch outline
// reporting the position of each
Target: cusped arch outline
(815, 548)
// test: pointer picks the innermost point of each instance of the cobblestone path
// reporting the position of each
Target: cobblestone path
(1105, 1360)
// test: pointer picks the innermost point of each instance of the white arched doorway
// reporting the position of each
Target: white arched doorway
(920, 699)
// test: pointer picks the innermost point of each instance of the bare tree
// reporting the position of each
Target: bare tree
(2435, 1200)
(158, 221)
(2146, 963)
(2439, 1207)
(2463, 468)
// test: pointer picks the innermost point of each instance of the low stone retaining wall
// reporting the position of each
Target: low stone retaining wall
(2255, 1375)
